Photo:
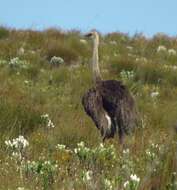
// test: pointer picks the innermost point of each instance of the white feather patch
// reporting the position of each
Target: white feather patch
(109, 120)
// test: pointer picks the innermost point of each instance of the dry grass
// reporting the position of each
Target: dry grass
(27, 93)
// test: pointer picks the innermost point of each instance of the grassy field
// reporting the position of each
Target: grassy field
(46, 139)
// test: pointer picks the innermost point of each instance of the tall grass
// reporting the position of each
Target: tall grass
(27, 93)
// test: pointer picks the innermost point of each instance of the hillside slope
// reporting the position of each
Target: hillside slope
(43, 76)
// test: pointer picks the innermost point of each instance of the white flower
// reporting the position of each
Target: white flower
(154, 94)
(83, 41)
(48, 121)
(56, 60)
(126, 183)
(26, 82)
(20, 188)
(127, 75)
(47, 162)
(174, 67)
(172, 52)
(101, 145)
(22, 140)
(75, 150)
(87, 176)
(17, 63)
(14, 61)
(17, 143)
(8, 143)
(108, 184)
(161, 48)
(45, 116)
(150, 154)
(61, 146)
(50, 124)
(134, 178)
(126, 151)
(81, 144)
(17, 146)
(16, 155)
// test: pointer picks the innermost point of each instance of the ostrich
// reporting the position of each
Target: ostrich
(109, 103)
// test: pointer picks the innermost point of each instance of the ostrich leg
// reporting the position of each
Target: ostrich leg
(120, 131)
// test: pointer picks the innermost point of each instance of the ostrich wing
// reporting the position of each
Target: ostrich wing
(93, 105)
(119, 104)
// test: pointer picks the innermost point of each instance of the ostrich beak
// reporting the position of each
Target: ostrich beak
(88, 34)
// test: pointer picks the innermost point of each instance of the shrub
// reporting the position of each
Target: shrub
(56, 61)
(4, 32)
(17, 63)
(54, 33)
(17, 119)
(122, 63)
(43, 170)
(60, 49)
(147, 73)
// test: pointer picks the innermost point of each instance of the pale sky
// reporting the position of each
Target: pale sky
(128, 16)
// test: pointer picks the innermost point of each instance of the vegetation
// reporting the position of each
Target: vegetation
(48, 142)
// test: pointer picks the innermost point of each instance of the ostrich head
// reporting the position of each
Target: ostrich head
(94, 35)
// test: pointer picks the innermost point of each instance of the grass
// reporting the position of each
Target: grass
(30, 91)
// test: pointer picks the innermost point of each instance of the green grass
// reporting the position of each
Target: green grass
(27, 93)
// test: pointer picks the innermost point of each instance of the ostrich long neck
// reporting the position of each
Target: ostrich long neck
(95, 61)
